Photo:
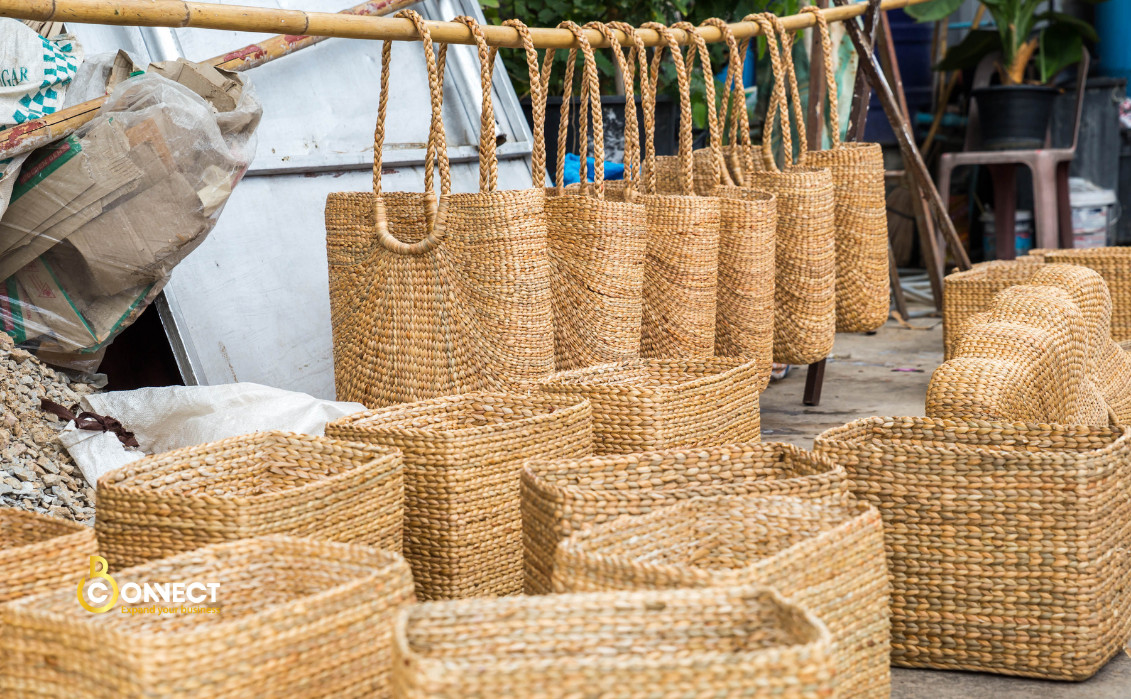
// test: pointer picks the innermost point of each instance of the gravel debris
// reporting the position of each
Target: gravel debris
(36, 473)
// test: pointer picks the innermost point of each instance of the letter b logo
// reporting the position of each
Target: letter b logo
(103, 590)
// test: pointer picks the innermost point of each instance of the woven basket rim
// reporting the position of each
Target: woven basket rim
(566, 606)
(566, 381)
(750, 195)
(842, 437)
(118, 480)
(30, 606)
(76, 531)
(684, 199)
(1088, 252)
(558, 410)
(627, 207)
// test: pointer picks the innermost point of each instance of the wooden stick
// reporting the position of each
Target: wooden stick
(178, 13)
(32, 134)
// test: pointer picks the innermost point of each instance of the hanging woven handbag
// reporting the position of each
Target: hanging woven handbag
(863, 278)
(436, 295)
(596, 244)
(805, 251)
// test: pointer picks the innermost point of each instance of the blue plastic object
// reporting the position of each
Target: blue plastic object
(613, 171)
(1113, 20)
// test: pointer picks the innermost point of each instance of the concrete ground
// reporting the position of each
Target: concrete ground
(887, 374)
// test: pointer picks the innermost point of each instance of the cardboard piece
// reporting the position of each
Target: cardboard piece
(220, 88)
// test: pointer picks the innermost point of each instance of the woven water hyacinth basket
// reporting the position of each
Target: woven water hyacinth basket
(39, 553)
(1006, 541)
(435, 295)
(738, 642)
(970, 292)
(1114, 264)
(462, 455)
(649, 404)
(826, 557)
(565, 496)
(254, 485)
(1025, 359)
(291, 617)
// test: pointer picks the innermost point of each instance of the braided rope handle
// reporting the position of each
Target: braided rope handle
(631, 127)
(686, 168)
(488, 161)
(795, 92)
(777, 100)
(537, 102)
(830, 76)
(437, 151)
(590, 96)
(721, 174)
(638, 55)
(740, 120)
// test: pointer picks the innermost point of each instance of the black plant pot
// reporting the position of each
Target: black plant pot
(1014, 116)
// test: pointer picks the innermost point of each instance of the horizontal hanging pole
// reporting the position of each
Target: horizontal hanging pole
(177, 13)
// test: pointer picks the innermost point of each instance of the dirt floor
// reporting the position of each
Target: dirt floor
(887, 374)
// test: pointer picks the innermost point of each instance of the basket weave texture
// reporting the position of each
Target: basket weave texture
(562, 497)
(1114, 264)
(1006, 541)
(295, 617)
(462, 455)
(254, 485)
(650, 404)
(1025, 360)
(39, 553)
(970, 292)
(827, 558)
(741, 642)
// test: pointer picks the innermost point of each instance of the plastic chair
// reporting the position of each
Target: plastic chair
(1053, 213)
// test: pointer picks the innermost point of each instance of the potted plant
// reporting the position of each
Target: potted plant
(1035, 47)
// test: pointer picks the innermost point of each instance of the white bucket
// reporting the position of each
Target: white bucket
(1094, 213)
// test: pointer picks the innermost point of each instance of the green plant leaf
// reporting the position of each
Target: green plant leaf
(934, 10)
(970, 51)
(1061, 46)
(1059, 19)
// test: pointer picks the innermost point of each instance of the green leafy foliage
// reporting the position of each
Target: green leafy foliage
(934, 10)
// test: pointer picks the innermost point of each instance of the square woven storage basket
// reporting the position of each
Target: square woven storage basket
(563, 497)
(295, 617)
(1114, 265)
(828, 558)
(463, 454)
(649, 404)
(738, 642)
(1007, 542)
(39, 553)
(254, 485)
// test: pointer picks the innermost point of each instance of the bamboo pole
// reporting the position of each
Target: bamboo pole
(178, 13)
(30, 135)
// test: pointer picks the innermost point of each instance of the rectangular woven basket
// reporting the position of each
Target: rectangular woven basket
(463, 454)
(254, 485)
(1007, 542)
(1114, 265)
(565, 496)
(293, 617)
(739, 642)
(39, 553)
(648, 404)
(827, 557)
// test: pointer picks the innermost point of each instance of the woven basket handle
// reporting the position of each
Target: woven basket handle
(488, 161)
(436, 152)
(686, 172)
(739, 122)
(590, 96)
(632, 158)
(721, 174)
(777, 100)
(794, 92)
(830, 75)
(537, 102)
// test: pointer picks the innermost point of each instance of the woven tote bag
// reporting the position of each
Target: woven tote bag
(1114, 264)
(743, 642)
(828, 558)
(970, 292)
(433, 296)
(805, 248)
(1002, 539)
(682, 252)
(1024, 360)
(463, 454)
(254, 485)
(564, 496)
(596, 244)
(863, 279)
(40, 553)
(290, 618)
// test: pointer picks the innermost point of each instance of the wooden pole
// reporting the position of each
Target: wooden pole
(178, 13)
(32, 134)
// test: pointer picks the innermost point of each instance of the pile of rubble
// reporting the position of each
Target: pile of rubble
(36, 473)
